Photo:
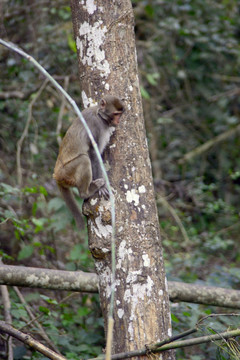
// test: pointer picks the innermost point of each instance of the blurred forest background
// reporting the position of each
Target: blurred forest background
(189, 61)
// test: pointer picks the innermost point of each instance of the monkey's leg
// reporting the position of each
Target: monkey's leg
(83, 176)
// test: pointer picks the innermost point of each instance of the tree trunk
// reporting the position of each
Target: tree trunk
(104, 33)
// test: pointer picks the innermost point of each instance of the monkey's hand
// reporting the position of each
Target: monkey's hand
(103, 191)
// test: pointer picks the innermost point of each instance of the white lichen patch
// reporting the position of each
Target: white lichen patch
(133, 276)
(139, 291)
(166, 284)
(107, 86)
(90, 6)
(87, 101)
(132, 196)
(142, 189)
(120, 313)
(93, 201)
(130, 330)
(105, 278)
(146, 260)
(130, 88)
(43, 280)
(102, 231)
(169, 332)
(93, 37)
(160, 293)
(122, 252)
(138, 294)
(31, 278)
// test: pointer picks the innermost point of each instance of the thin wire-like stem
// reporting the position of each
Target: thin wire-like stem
(19, 51)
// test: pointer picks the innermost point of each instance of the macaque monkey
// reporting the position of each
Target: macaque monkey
(77, 163)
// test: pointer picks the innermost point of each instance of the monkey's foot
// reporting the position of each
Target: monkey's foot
(104, 192)
(98, 183)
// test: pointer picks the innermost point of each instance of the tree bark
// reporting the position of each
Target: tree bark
(104, 33)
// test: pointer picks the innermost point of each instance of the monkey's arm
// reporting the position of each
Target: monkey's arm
(97, 172)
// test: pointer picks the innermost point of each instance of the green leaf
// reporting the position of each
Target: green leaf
(26, 252)
(48, 299)
(71, 43)
(149, 10)
(144, 93)
(55, 204)
(44, 310)
(152, 79)
(43, 191)
(30, 190)
(174, 318)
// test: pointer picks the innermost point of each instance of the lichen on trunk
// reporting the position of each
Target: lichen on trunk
(104, 33)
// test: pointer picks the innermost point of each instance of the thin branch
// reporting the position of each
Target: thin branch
(176, 218)
(148, 349)
(207, 145)
(25, 132)
(30, 341)
(174, 344)
(61, 112)
(7, 317)
(226, 77)
(34, 320)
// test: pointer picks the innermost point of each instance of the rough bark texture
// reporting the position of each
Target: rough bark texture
(107, 62)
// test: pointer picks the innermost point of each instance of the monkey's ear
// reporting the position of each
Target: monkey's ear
(103, 103)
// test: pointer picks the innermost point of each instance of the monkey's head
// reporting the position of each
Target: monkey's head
(111, 109)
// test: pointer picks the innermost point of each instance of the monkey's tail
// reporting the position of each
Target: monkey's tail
(72, 205)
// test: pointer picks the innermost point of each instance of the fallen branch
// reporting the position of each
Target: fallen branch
(88, 282)
(30, 341)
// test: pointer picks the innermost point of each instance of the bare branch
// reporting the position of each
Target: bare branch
(30, 341)
(34, 320)
(88, 282)
(7, 317)
(171, 344)
(25, 132)
(208, 144)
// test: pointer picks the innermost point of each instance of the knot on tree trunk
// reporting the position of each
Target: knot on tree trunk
(98, 212)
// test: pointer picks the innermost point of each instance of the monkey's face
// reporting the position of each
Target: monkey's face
(111, 109)
(116, 118)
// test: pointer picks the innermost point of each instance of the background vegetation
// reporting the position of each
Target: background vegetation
(189, 58)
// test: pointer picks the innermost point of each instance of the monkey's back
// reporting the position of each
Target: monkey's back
(74, 144)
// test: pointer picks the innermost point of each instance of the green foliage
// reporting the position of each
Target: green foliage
(189, 57)
(80, 318)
